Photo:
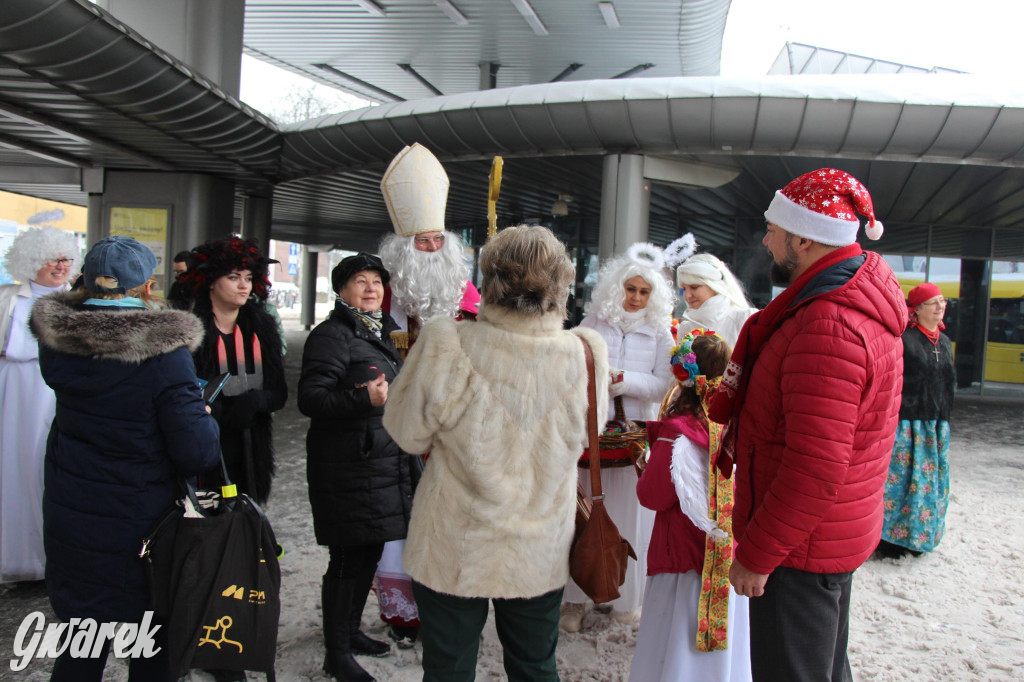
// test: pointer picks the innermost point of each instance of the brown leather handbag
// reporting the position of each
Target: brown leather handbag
(597, 560)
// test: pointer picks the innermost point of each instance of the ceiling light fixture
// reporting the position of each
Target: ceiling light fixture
(611, 19)
(560, 208)
(566, 72)
(635, 70)
(531, 17)
(372, 7)
(452, 12)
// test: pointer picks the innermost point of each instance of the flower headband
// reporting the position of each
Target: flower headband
(684, 360)
(216, 258)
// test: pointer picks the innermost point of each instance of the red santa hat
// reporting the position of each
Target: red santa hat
(823, 205)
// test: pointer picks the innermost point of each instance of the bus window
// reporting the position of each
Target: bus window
(1004, 361)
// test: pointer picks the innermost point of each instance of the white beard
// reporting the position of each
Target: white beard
(425, 284)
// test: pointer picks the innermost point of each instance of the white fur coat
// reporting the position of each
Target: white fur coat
(500, 404)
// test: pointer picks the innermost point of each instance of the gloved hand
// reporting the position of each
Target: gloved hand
(618, 383)
(240, 412)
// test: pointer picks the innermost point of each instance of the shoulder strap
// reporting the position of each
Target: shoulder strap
(596, 492)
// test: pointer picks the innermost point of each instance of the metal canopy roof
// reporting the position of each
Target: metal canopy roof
(930, 139)
(800, 58)
(672, 38)
(955, 119)
(80, 90)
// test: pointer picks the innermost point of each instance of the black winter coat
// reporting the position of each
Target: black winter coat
(130, 421)
(250, 412)
(928, 382)
(359, 479)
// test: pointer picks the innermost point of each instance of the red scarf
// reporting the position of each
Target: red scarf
(931, 336)
(728, 401)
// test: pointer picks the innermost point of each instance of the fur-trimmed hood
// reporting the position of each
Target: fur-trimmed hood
(120, 334)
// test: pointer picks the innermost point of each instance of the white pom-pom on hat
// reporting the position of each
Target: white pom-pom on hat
(646, 254)
(874, 229)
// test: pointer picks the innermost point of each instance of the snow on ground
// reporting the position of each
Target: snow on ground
(956, 614)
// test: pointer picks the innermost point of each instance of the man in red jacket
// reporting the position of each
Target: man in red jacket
(811, 398)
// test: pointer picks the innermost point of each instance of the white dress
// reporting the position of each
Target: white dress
(665, 646)
(27, 406)
(644, 357)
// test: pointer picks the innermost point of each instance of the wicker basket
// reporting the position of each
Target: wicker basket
(622, 443)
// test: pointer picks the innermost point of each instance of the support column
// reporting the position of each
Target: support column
(489, 75)
(171, 212)
(625, 204)
(256, 214)
(205, 34)
(307, 284)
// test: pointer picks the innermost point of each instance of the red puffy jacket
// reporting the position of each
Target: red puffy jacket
(818, 422)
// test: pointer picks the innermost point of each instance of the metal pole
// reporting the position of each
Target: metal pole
(307, 317)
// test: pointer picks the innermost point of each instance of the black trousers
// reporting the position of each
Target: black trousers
(800, 627)
(349, 562)
(450, 629)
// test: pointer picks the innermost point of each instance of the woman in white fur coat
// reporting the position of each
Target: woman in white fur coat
(632, 310)
(500, 404)
(714, 297)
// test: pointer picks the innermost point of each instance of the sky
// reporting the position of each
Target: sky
(982, 37)
(978, 36)
(263, 85)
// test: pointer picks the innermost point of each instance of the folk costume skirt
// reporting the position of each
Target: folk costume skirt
(394, 588)
(917, 488)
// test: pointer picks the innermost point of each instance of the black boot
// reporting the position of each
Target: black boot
(336, 599)
(404, 635)
(358, 641)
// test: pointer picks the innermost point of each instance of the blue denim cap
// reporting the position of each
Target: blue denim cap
(129, 262)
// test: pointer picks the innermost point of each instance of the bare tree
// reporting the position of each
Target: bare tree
(300, 103)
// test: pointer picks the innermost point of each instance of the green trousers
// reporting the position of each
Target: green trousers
(450, 630)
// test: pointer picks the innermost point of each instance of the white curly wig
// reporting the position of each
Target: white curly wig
(643, 260)
(703, 268)
(35, 247)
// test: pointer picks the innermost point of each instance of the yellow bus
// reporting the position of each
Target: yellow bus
(1004, 352)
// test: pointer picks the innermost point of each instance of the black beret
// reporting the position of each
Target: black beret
(344, 270)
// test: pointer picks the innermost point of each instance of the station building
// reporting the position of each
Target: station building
(611, 118)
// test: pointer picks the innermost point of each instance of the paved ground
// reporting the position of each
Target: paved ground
(903, 624)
